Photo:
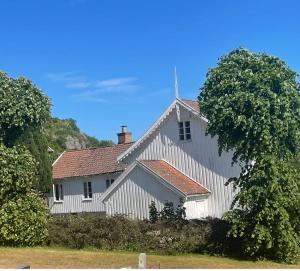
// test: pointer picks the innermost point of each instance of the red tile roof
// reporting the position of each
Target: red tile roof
(89, 161)
(176, 178)
(193, 104)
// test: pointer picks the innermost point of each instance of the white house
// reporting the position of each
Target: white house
(174, 159)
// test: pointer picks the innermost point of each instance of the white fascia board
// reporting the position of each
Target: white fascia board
(198, 196)
(58, 158)
(188, 107)
(148, 132)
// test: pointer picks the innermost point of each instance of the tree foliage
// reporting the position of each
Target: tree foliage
(168, 212)
(252, 103)
(36, 142)
(23, 215)
(24, 110)
(22, 106)
(268, 221)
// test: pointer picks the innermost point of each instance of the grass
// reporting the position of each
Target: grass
(47, 257)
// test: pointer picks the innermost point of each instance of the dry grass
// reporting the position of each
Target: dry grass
(66, 258)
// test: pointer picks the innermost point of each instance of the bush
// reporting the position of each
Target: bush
(23, 221)
(120, 233)
(23, 214)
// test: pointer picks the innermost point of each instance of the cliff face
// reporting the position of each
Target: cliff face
(63, 134)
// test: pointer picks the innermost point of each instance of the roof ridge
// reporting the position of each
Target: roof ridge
(188, 100)
(102, 147)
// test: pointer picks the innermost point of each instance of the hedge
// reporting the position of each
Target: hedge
(120, 233)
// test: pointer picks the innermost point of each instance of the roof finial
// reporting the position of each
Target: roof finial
(176, 84)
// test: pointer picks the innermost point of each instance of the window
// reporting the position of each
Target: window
(184, 130)
(58, 192)
(109, 182)
(87, 190)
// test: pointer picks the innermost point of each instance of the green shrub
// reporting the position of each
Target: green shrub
(23, 221)
(120, 233)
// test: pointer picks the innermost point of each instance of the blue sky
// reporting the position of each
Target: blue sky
(108, 63)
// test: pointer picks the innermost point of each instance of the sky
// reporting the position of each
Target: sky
(107, 63)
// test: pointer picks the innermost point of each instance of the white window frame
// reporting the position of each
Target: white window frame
(87, 191)
(58, 192)
(184, 129)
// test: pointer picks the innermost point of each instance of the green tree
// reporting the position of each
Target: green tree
(22, 106)
(153, 213)
(36, 142)
(252, 103)
(23, 215)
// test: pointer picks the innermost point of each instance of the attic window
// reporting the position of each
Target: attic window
(87, 190)
(58, 192)
(184, 130)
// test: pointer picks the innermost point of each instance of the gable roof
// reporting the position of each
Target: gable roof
(190, 105)
(87, 162)
(174, 177)
(167, 174)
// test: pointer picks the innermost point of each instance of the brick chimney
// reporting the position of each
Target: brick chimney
(124, 136)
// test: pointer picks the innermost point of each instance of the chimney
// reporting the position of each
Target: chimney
(124, 136)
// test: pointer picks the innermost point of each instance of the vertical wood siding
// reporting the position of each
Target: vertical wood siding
(135, 193)
(197, 158)
(73, 201)
(196, 207)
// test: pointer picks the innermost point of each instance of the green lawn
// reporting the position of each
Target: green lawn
(46, 257)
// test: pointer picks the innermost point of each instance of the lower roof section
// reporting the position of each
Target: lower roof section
(175, 177)
(164, 173)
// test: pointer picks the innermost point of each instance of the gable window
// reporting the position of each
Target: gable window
(184, 130)
(87, 190)
(58, 192)
(109, 182)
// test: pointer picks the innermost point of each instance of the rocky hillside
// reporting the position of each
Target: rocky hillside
(63, 134)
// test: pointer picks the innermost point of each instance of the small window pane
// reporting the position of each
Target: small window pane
(188, 136)
(107, 183)
(61, 192)
(85, 192)
(56, 188)
(187, 124)
(181, 137)
(90, 190)
(112, 181)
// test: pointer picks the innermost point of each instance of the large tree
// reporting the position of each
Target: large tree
(23, 214)
(24, 110)
(252, 103)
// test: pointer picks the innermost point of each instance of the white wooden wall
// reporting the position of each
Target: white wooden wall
(196, 207)
(73, 201)
(198, 158)
(135, 194)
